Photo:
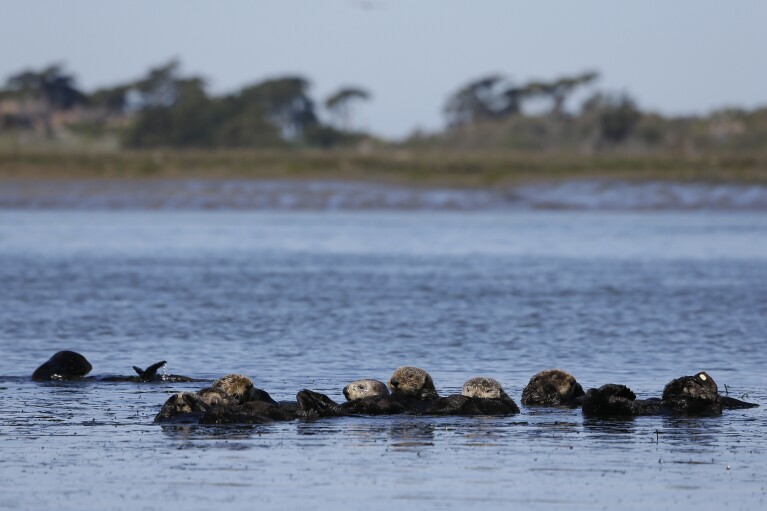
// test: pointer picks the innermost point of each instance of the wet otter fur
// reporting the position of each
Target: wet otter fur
(360, 389)
(613, 400)
(553, 387)
(412, 383)
(687, 395)
(149, 375)
(412, 391)
(489, 397)
(64, 365)
(230, 399)
(364, 397)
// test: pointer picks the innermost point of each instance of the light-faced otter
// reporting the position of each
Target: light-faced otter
(364, 397)
(412, 391)
(230, 399)
(64, 365)
(489, 397)
(412, 383)
(365, 388)
(552, 387)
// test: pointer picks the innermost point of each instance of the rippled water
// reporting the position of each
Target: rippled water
(316, 300)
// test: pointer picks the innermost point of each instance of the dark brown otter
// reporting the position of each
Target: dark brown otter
(64, 365)
(553, 387)
(613, 400)
(413, 391)
(231, 399)
(489, 397)
(149, 375)
(688, 395)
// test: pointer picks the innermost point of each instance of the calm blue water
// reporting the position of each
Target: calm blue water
(316, 300)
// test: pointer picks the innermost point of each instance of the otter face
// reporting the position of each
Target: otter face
(551, 387)
(700, 387)
(486, 388)
(412, 382)
(176, 405)
(238, 387)
(365, 388)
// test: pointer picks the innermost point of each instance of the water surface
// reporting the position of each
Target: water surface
(316, 300)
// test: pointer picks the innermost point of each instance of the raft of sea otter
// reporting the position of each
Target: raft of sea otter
(233, 399)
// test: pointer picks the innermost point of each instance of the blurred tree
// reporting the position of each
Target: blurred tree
(617, 116)
(339, 105)
(161, 85)
(285, 103)
(479, 100)
(52, 87)
(561, 89)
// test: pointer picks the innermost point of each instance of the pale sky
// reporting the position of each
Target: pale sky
(677, 57)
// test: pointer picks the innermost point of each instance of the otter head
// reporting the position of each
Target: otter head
(64, 365)
(552, 387)
(237, 387)
(700, 387)
(365, 388)
(412, 382)
(188, 402)
(485, 388)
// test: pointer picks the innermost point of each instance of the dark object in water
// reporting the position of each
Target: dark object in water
(230, 400)
(692, 395)
(412, 391)
(64, 365)
(149, 375)
(489, 397)
(313, 405)
(687, 395)
(412, 384)
(730, 403)
(613, 400)
(698, 395)
(553, 387)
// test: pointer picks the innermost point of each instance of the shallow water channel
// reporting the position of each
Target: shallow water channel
(315, 300)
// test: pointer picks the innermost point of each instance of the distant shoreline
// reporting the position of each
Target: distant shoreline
(393, 166)
(335, 195)
(392, 179)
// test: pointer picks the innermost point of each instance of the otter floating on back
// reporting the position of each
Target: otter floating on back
(70, 365)
(552, 387)
(687, 395)
(410, 390)
(232, 399)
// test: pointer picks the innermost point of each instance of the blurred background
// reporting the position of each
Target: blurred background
(440, 92)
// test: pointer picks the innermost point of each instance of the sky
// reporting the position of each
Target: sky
(674, 57)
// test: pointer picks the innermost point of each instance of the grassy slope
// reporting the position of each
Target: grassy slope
(419, 167)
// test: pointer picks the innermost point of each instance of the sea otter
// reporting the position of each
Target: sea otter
(687, 395)
(613, 400)
(489, 396)
(149, 375)
(364, 397)
(698, 395)
(69, 365)
(412, 391)
(231, 399)
(553, 387)
(64, 365)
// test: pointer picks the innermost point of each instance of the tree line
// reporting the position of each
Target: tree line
(166, 108)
